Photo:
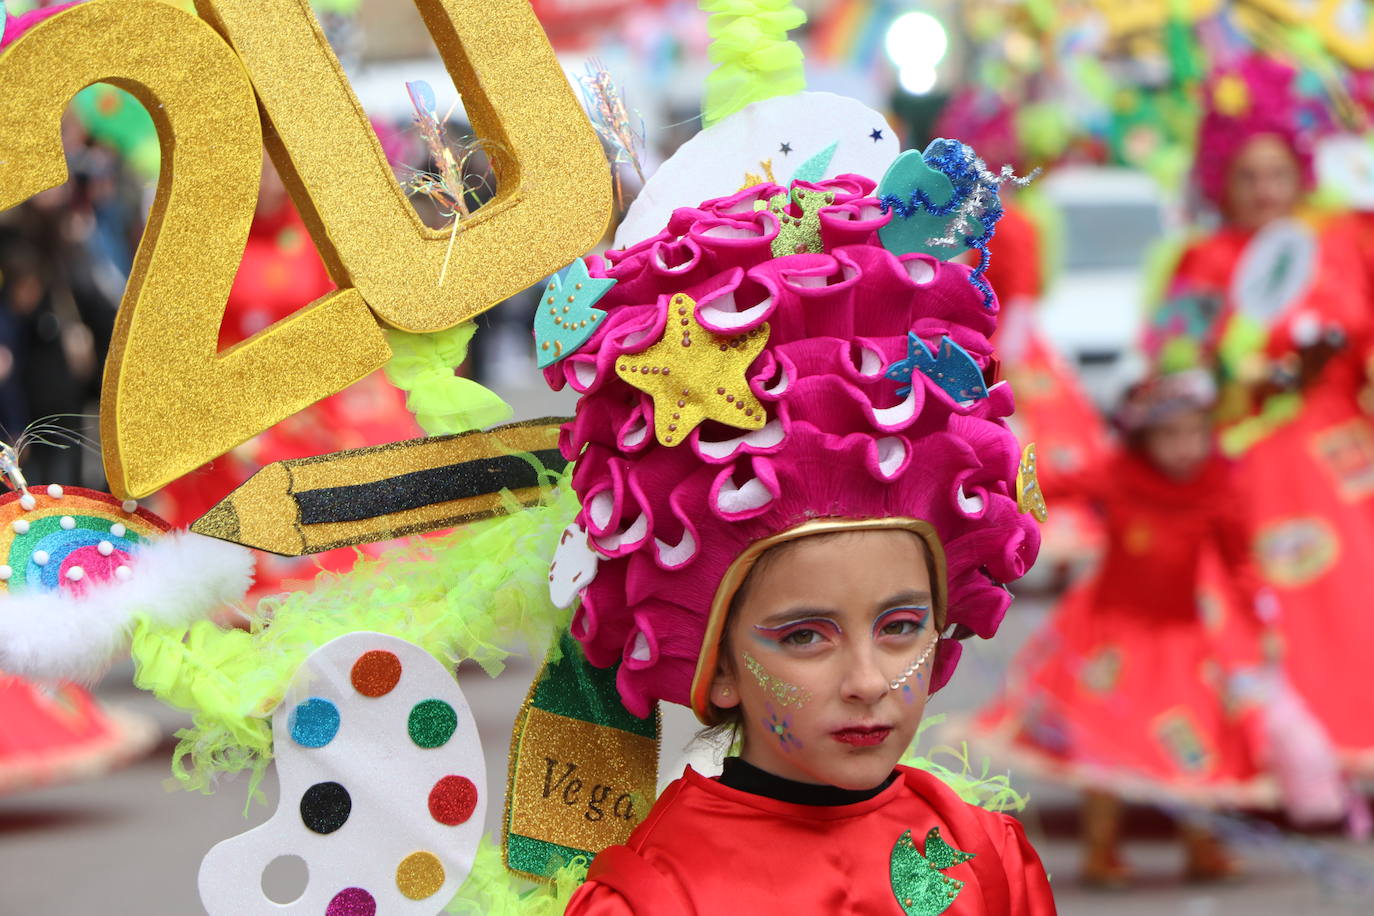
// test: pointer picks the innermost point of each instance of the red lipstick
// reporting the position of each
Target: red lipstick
(863, 737)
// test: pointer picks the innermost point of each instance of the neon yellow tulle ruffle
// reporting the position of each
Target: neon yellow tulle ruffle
(754, 57)
(490, 890)
(480, 593)
(422, 366)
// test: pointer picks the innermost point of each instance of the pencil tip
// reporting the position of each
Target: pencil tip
(220, 522)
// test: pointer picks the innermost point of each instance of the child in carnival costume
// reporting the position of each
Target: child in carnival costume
(1150, 679)
(799, 493)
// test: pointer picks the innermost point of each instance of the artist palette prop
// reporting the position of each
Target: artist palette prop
(383, 789)
(171, 400)
(780, 139)
(584, 771)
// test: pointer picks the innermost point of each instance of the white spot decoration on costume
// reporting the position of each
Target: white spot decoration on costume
(573, 568)
(383, 789)
(1274, 271)
(717, 161)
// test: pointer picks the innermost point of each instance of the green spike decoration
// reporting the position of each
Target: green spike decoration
(918, 880)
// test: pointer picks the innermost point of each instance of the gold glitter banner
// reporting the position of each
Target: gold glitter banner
(580, 784)
(583, 771)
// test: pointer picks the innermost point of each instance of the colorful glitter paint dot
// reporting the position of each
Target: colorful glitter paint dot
(352, 901)
(314, 723)
(420, 875)
(452, 800)
(325, 807)
(376, 673)
(432, 723)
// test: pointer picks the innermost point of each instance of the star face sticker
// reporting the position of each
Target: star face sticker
(785, 148)
(876, 136)
(565, 318)
(953, 369)
(1029, 497)
(694, 375)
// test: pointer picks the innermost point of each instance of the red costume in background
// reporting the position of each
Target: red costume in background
(59, 733)
(706, 848)
(1051, 408)
(1125, 688)
(1309, 484)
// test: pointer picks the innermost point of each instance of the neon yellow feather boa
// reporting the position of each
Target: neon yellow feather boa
(480, 593)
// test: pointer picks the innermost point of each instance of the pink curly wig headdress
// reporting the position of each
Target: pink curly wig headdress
(1254, 97)
(834, 438)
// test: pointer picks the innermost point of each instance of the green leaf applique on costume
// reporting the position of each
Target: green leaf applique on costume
(918, 881)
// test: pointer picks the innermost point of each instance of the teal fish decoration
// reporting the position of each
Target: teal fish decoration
(919, 881)
(952, 368)
(566, 319)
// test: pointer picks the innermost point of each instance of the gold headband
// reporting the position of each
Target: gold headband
(739, 571)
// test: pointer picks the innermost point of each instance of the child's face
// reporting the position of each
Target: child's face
(825, 625)
(1179, 444)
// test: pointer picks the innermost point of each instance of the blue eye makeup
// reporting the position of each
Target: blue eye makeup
(907, 620)
(808, 631)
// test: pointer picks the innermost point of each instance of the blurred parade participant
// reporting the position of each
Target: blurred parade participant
(1131, 689)
(281, 273)
(1277, 301)
(1052, 410)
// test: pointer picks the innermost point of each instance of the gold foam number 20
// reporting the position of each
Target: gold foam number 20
(171, 402)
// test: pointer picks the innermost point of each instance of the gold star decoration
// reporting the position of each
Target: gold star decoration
(693, 375)
(1029, 497)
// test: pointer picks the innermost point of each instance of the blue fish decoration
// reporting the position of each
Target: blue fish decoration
(952, 368)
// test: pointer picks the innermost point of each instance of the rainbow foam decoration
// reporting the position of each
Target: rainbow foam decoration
(68, 539)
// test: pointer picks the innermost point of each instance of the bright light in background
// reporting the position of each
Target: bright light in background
(916, 42)
(917, 80)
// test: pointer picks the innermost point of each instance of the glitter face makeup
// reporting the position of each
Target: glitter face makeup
(786, 694)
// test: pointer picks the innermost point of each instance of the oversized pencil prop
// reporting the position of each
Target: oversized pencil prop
(308, 505)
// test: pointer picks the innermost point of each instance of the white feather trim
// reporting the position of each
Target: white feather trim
(176, 579)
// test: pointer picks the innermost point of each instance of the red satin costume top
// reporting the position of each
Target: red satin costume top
(706, 848)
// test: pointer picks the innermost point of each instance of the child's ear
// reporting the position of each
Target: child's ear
(724, 689)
